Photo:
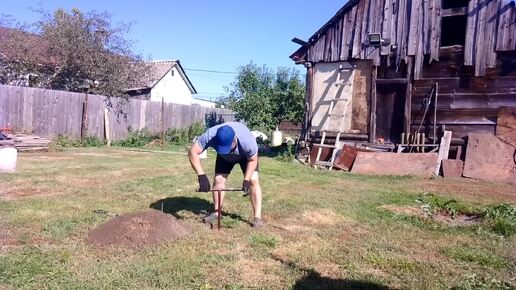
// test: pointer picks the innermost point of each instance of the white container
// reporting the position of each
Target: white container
(8, 158)
(277, 138)
(204, 154)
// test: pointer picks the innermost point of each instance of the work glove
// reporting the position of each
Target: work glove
(204, 183)
(246, 187)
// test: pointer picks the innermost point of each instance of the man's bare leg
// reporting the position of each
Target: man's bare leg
(219, 181)
(256, 196)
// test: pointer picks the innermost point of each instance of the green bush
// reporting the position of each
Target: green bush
(65, 141)
(172, 136)
(184, 136)
(502, 219)
(138, 138)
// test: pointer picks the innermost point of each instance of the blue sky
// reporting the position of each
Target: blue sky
(208, 35)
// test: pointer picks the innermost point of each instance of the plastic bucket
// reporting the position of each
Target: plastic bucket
(8, 158)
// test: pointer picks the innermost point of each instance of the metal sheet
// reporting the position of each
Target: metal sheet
(489, 158)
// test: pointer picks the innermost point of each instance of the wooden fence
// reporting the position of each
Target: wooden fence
(50, 113)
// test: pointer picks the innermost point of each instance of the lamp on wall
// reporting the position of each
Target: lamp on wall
(376, 40)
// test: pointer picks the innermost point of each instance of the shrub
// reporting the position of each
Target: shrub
(501, 218)
(65, 141)
(138, 138)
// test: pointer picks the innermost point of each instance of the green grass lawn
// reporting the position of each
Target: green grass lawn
(325, 230)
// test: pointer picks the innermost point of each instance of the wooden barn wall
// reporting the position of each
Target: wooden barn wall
(415, 26)
(465, 103)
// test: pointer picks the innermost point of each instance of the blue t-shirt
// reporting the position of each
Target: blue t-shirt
(246, 148)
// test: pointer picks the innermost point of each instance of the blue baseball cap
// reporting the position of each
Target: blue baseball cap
(224, 139)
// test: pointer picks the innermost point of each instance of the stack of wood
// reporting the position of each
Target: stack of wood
(24, 142)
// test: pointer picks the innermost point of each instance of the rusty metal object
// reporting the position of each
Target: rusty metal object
(346, 157)
(219, 206)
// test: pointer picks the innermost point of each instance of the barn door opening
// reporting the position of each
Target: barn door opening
(390, 112)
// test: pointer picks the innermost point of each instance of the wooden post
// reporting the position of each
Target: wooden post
(372, 125)
(305, 132)
(435, 111)
(84, 124)
(162, 123)
(107, 130)
(408, 94)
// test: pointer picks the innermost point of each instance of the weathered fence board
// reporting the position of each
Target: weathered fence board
(50, 113)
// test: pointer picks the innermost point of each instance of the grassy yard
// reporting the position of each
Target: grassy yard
(325, 230)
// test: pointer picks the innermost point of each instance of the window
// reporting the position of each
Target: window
(447, 4)
(453, 30)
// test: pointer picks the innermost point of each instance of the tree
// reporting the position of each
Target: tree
(85, 52)
(263, 98)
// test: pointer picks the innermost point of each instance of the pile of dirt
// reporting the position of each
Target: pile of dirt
(145, 228)
(440, 217)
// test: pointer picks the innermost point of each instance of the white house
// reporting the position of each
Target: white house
(204, 103)
(168, 81)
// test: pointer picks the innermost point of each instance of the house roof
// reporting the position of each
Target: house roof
(21, 45)
(313, 39)
(160, 68)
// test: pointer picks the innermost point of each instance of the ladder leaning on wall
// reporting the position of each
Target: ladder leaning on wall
(343, 87)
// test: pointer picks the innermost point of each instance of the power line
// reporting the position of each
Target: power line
(208, 93)
(212, 71)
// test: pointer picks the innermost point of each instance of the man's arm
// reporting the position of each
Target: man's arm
(195, 161)
(252, 163)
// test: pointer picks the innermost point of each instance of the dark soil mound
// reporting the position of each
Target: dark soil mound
(150, 227)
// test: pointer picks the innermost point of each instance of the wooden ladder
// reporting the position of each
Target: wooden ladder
(325, 130)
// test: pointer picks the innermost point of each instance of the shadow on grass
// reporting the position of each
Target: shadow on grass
(314, 280)
(195, 205)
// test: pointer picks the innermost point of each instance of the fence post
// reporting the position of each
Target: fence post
(162, 123)
(84, 125)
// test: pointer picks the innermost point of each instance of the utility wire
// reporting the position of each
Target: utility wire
(212, 71)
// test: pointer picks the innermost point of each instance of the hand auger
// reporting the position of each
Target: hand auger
(219, 195)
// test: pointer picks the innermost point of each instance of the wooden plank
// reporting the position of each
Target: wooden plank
(453, 168)
(444, 150)
(418, 63)
(386, 26)
(357, 35)
(348, 31)
(414, 27)
(402, 27)
(365, 27)
(396, 81)
(471, 33)
(491, 25)
(435, 38)
(377, 27)
(408, 95)
(426, 28)
(506, 125)
(480, 45)
(489, 158)
(373, 163)
(372, 123)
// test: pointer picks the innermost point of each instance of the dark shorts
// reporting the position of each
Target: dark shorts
(223, 166)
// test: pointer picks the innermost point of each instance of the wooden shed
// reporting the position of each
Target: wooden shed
(411, 66)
